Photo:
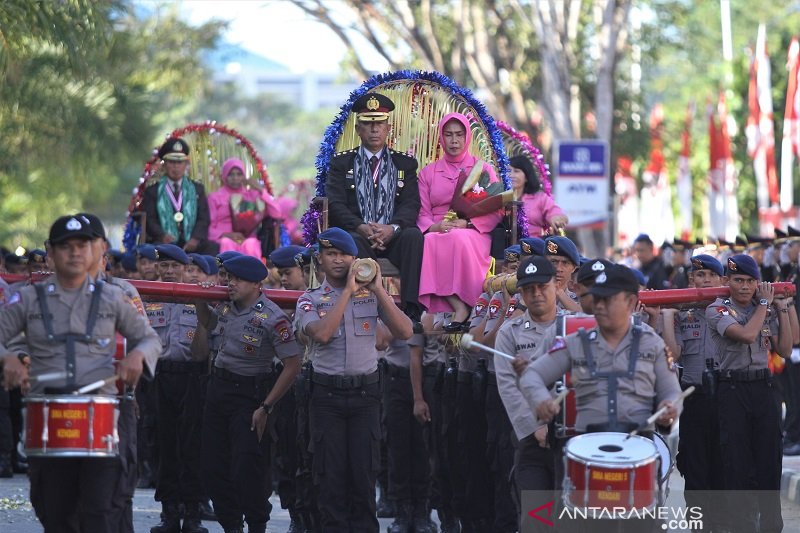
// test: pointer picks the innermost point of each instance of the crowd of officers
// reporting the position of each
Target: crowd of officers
(346, 391)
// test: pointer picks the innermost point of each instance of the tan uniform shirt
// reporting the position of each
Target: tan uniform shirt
(697, 345)
(249, 339)
(523, 337)
(351, 350)
(94, 358)
(734, 355)
(653, 381)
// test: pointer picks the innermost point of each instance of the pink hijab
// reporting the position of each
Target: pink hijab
(464, 159)
(229, 165)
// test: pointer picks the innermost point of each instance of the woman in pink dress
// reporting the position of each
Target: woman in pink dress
(219, 207)
(540, 208)
(456, 257)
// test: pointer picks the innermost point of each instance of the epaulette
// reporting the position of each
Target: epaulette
(353, 150)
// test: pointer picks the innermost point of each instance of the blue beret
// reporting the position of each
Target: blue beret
(639, 276)
(213, 267)
(339, 239)
(148, 251)
(512, 253)
(114, 254)
(202, 262)
(246, 267)
(705, 261)
(743, 264)
(290, 256)
(171, 251)
(532, 246)
(224, 256)
(128, 261)
(562, 246)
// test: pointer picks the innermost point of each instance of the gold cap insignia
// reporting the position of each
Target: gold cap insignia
(373, 104)
(178, 147)
(526, 248)
(732, 265)
(326, 243)
(512, 256)
(552, 247)
(697, 263)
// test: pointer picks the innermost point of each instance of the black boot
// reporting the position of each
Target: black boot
(448, 521)
(421, 518)
(403, 510)
(385, 508)
(207, 511)
(296, 523)
(257, 528)
(191, 519)
(170, 519)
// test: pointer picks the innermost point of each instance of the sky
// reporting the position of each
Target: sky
(280, 31)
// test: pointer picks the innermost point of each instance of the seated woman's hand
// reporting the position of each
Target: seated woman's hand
(234, 236)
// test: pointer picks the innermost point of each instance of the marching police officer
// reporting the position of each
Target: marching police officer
(70, 322)
(699, 456)
(528, 336)
(178, 407)
(745, 327)
(242, 394)
(340, 317)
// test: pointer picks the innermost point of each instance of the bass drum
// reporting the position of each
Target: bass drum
(666, 465)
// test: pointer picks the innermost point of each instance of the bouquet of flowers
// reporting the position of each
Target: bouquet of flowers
(246, 215)
(476, 195)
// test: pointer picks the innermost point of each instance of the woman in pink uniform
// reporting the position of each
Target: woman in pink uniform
(456, 254)
(219, 205)
(543, 214)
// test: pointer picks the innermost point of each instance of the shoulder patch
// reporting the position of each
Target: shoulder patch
(558, 344)
(724, 311)
(15, 299)
(305, 304)
(670, 360)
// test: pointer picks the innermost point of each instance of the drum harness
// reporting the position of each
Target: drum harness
(612, 376)
(70, 338)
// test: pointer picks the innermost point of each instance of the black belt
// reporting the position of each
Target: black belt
(395, 371)
(181, 367)
(226, 375)
(464, 377)
(345, 382)
(744, 375)
(491, 379)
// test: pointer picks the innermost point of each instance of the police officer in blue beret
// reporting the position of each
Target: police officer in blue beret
(532, 246)
(341, 317)
(179, 405)
(744, 328)
(564, 256)
(294, 266)
(222, 274)
(242, 393)
(147, 262)
(373, 194)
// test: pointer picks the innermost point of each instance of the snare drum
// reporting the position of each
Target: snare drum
(71, 426)
(607, 470)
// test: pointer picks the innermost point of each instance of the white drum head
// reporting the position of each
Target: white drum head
(611, 449)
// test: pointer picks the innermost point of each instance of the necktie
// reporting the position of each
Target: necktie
(373, 166)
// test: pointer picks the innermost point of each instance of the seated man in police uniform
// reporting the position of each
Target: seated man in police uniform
(341, 317)
(176, 206)
(373, 194)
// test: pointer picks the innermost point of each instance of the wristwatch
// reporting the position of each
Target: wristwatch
(395, 227)
(763, 301)
(267, 408)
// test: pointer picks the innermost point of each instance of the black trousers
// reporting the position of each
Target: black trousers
(474, 493)
(88, 495)
(699, 455)
(345, 426)
(750, 441)
(409, 467)
(147, 445)
(404, 251)
(500, 456)
(236, 465)
(534, 469)
(180, 411)
(6, 431)
(286, 452)
(789, 381)
(306, 496)
(441, 408)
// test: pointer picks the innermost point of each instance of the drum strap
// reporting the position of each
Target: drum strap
(612, 376)
(69, 338)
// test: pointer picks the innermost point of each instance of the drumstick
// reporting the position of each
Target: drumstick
(96, 385)
(49, 376)
(561, 395)
(660, 412)
(467, 341)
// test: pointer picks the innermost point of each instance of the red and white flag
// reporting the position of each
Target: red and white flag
(790, 147)
(684, 181)
(722, 174)
(656, 218)
(760, 129)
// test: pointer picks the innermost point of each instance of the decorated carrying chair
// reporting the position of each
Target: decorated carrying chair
(421, 100)
(210, 145)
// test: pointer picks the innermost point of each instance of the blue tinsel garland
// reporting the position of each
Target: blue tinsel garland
(327, 149)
